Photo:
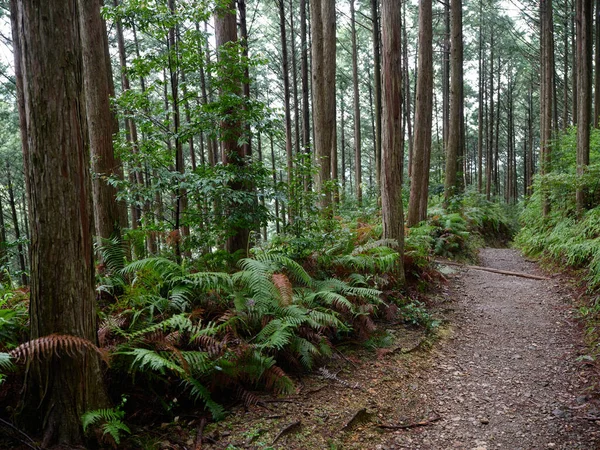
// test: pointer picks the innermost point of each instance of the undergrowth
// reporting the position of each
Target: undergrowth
(200, 335)
(567, 238)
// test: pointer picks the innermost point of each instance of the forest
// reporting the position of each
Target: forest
(203, 202)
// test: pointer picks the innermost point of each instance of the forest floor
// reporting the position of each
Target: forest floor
(502, 373)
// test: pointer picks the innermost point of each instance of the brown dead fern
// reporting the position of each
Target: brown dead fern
(55, 345)
(284, 287)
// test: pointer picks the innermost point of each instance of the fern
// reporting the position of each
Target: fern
(111, 420)
(165, 268)
(149, 359)
(6, 362)
(54, 344)
(199, 392)
(275, 335)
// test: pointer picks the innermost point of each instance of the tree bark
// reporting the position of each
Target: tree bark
(247, 144)
(584, 82)
(489, 161)
(323, 31)
(48, 68)
(546, 89)
(597, 69)
(455, 148)
(377, 89)
(100, 117)
(392, 149)
(419, 187)
(357, 136)
(231, 129)
(304, 78)
(481, 87)
(286, 94)
(17, 229)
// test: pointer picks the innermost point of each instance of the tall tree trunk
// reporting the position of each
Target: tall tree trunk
(408, 98)
(546, 89)
(49, 73)
(597, 69)
(584, 83)
(372, 156)
(481, 88)
(247, 145)
(17, 229)
(419, 187)
(455, 148)
(304, 78)
(343, 138)
(574, 58)
(4, 274)
(179, 227)
(377, 89)
(489, 161)
(100, 117)
(529, 166)
(323, 31)
(392, 155)
(232, 152)
(566, 44)
(136, 176)
(274, 171)
(295, 80)
(286, 95)
(446, 74)
(355, 82)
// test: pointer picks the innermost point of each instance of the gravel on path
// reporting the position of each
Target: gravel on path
(509, 377)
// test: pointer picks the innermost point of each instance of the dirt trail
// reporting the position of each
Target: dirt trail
(504, 376)
(509, 378)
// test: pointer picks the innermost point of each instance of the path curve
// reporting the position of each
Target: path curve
(508, 379)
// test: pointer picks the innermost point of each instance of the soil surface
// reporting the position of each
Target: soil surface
(504, 374)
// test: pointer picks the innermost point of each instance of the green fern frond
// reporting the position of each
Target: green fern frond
(149, 359)
(199, 392)
(295, 270)
(326, 318)
(258, 283)
(331, 298)
(275, 335)
(199, 363)
(112, 251)
(180, 322)
(164, 267)
(6, 362)
(387, 243)
(111, 419)
(180, 297)
(207, 281)
(305, 349)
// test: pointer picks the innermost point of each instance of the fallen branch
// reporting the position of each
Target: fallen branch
(489, 269)
(28, 441)
(407, 426)
(286, 430)
(199, 435)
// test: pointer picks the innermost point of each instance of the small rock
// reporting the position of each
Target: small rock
(551, 445)
(484, 420)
